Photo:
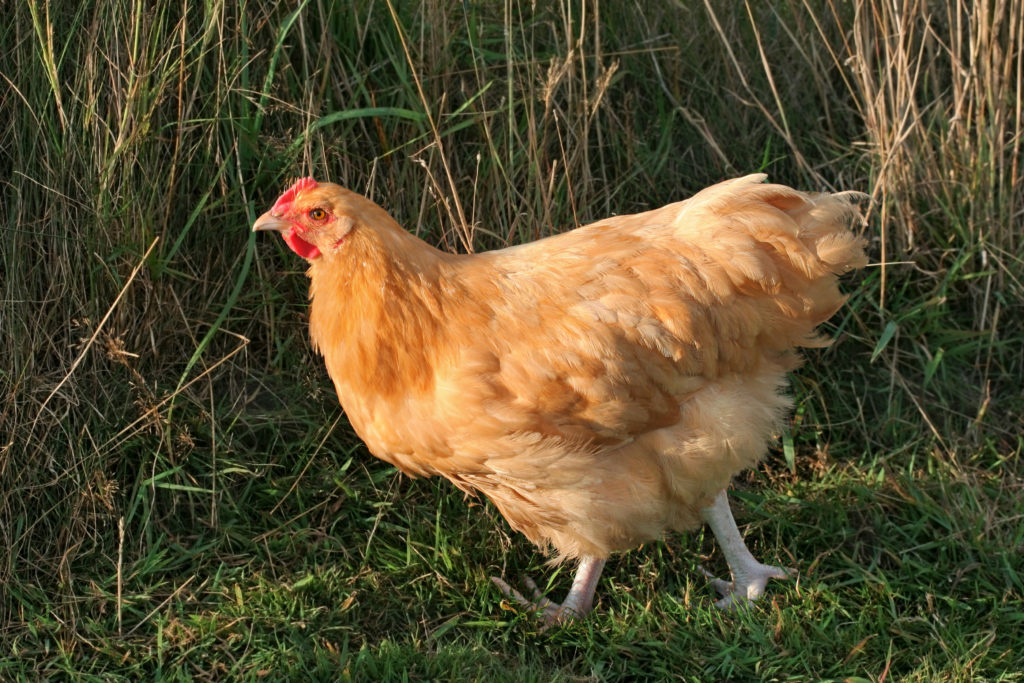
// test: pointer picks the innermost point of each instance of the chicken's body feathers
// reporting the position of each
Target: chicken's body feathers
(600, 386)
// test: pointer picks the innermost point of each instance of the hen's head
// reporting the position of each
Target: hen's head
(313, 218)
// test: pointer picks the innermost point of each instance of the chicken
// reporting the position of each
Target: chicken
(601, 386)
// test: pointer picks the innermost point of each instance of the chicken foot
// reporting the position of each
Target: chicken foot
(749, 577)
(577, 603)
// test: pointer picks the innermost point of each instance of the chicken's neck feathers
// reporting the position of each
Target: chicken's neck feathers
(377, 311)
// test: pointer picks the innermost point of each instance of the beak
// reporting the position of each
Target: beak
(268, 221)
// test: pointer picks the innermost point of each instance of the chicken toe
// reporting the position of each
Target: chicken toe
(749, 577)
(577, 603)
(748, 583)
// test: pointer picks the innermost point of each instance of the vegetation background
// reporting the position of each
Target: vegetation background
(180, 495)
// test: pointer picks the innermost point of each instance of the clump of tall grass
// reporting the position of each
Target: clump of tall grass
(938, 87)
(160, 403)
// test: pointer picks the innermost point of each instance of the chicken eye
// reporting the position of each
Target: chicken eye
(317, 214)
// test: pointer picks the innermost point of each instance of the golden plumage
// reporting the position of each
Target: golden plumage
(600, 386)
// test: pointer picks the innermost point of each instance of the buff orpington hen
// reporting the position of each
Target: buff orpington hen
(600, 386)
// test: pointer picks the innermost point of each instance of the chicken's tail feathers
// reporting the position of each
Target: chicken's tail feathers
(830, 227)
(777, 246)
(816, 233)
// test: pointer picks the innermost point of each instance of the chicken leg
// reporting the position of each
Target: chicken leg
(749, 576)
(577, 603)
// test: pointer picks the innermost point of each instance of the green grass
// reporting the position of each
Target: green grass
(180, 495)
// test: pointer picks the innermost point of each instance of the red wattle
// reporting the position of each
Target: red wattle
(299, 245)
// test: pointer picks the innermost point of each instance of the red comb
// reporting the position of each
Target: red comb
(284, 202)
